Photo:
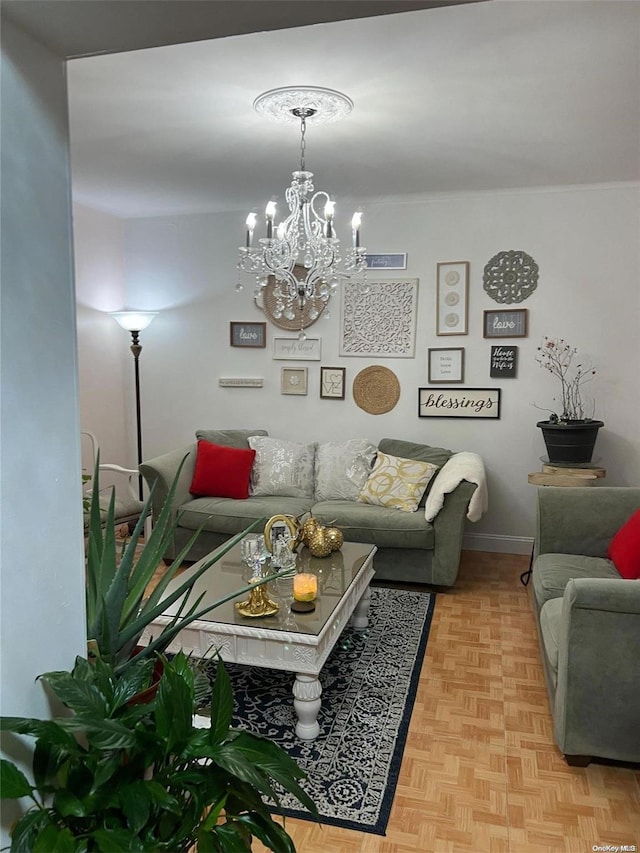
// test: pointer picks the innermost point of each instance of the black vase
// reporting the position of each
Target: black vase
(571, 442)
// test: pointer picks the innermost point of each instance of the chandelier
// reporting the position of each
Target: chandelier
(300, 258)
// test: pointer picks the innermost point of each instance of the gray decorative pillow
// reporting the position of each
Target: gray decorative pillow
(229, 437)
(283, 468)
(342, 468)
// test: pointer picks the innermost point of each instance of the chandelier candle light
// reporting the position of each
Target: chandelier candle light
(301, 254)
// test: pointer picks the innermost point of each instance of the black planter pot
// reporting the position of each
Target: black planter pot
(571, 442)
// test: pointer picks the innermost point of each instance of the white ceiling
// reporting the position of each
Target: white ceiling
(491, 95)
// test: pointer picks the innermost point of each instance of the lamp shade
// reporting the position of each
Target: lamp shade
(133, 321)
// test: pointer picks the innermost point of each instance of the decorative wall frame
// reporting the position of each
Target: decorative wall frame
(248, 334)
(504, 362)
(293, 380)
(389, 261)
(332, 383)
(506, 324)
(295, 349)
(452, 297)
(477, 403)
(381, 321)
(510, 276)
(445, 364)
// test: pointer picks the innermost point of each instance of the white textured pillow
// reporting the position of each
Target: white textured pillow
(283, 468)
(396, 482)
(342, 468)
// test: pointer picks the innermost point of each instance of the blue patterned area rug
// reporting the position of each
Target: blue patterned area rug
(369, 684)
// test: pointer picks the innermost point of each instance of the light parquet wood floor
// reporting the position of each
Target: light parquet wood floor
(480, 769)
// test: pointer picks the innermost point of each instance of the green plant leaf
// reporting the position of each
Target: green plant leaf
(174, 709)
(117, 841)
(233, 837)
(268, 831)
(46, 729)
(27, 829)
(221, 705)
(135, 802)
(52, 839)
(67, 804)
(81, 696)
(13, 783)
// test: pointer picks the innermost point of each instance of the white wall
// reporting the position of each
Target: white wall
(42, 624)
(585, 242)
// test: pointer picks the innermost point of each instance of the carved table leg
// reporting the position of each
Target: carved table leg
(307, 691)
(360, 618)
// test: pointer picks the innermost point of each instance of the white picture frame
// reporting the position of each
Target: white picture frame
(379, 321)
(452, 298)
(294, 380)
(294, 349)
(445, 364)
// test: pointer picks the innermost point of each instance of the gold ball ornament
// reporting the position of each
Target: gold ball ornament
(335, 538)
(307, 529)
(319, 543)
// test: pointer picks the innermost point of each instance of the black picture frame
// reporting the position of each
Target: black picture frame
(506, 324)
(248, 334)
(504, 361)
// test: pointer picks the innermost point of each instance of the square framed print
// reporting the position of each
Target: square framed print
(381, 321)
(452, 297)
(332, 383)
(293, 380)
(445, 365)
(506, 324)
(504, 362)
(248, 334)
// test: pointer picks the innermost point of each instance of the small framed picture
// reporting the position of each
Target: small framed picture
(452, 298)
(388, 261)
(504, 362)
(293, 380)
(248, 334)
(332, 383)
(445, 365)
(506, 324)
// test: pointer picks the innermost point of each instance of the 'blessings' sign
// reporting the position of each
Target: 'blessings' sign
(459, 403)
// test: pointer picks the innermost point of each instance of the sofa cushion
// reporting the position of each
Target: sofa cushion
(229, 437)
(411, 450)
(550, 621)
(386, 528)
(624, 550)
(342, 468)
(396, 482)
(551, 573)
(228, 516)
(282, 468)
(220, 471)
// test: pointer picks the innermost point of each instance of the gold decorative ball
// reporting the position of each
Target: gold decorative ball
(307, 529)
(319, 543)
(335, 538)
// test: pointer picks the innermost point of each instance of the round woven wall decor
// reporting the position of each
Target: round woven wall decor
(376, 389)
(301, 318)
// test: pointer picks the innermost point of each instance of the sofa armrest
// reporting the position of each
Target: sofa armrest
(582, 520)
(448, 527)
(162, 470)
(597, 699)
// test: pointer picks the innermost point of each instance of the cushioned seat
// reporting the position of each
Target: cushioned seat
(229, 516)
(385, 528)
(550, 622)
(553, 571)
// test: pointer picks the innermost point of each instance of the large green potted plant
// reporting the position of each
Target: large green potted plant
(116, 777)
(569, 433)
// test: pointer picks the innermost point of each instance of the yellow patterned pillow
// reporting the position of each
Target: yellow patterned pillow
(397, 483)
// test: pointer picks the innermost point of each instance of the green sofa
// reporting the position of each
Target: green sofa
(410, 549)
(588, 620)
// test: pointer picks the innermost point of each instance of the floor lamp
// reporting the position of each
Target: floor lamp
(135, 322)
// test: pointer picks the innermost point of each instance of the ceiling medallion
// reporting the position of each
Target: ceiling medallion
(510, 277)
(299, 263)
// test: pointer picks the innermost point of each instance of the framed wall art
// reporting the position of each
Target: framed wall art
(293, 380)
(248, 334)
(477, 403)
(295, 349)
(506, 324)
(452, 296)
(381, 322)
(445, 365)
(504, 362)
(390, 261)
(332, 381)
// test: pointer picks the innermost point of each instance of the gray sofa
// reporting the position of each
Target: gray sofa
(410, 549)
(588, 620)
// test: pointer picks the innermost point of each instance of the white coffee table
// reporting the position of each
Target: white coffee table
(295, 642)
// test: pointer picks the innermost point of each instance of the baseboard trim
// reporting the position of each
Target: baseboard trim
(497, 544)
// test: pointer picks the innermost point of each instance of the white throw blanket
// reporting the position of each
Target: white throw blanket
(460, 466)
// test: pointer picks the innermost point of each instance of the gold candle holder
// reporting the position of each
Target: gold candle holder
(258, 603)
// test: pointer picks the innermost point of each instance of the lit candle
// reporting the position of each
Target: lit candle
(305, 586)
(329, 209)
(355, 228)
(270, 212)
(251, 224)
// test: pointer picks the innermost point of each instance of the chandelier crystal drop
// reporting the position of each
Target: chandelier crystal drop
(301, 255)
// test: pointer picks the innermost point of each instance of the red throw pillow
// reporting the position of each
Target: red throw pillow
(222, 472)
(624, 548)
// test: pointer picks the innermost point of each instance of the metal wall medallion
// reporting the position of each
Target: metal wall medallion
(510, 277)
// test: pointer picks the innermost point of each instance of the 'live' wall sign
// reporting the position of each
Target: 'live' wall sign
(504, 362)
